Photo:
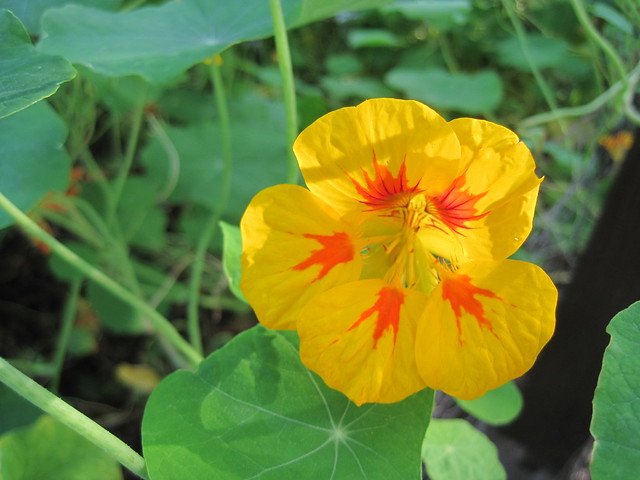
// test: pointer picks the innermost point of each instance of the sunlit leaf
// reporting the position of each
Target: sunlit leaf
(496, 407)
(616, 405)
(231, 252)
(471, 93)
(160, 42)
(49, 450)
(453, 448)
(32, 160)
(27, 75)
(252, 410)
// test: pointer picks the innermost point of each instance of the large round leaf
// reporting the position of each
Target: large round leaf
(161, 42)
(32, 160)
(253, 411)
(616, 405)
(27, 75)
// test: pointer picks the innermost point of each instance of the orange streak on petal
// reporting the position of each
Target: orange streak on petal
(461, 294)
(336, 248)
(387, 307)
(457, 207)
(385, 190)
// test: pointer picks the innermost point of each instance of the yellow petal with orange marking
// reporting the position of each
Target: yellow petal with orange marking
(499, 172)
(366, 147)
(294, 247)
(360, 338)
(484, 325)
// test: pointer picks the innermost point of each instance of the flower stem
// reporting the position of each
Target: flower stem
(72, 418)
(195, 282)
(160, 324)
(68, 319)
(286, 71)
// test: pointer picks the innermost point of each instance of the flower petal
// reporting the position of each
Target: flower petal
(294, 247)
(360, 338)
(366, 156)
(499, 173)
(483, 326)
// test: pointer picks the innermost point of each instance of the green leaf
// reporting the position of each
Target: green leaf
(453, 448)
(252, 410)
(545, 52)
(496, 407)
(32, 159)
(16, 411)
(472, 93)
(27, 75)
(373, 37)
(442, 14)
(259, 155)
(160, 42)
(30, 11)
(616, 405)
(48, 449)
(231, 254)
(346, 88)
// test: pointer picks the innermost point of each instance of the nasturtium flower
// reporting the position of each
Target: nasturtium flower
(392, 265)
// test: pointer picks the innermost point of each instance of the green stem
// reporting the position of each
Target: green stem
(72, 418)
(599, 40)
(542, 84)
(581, 110)
(161, 325)
(286, 71)
(195, 282)
(68, 319)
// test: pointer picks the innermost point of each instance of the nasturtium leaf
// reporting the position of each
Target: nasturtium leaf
(453, 448)
(27, 75)
(160, 42)
(442, 14)
(49, 450)
(252, 410)
(194, 173)
(231, 253)
(30, 11)
(360, 88)
(470, 93)
(32, 158)
(545, 52)
(373, 37)
(616, 404)
(16, 410)
(496, 407)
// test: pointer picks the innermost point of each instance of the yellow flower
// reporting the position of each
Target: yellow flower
(392, 264)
